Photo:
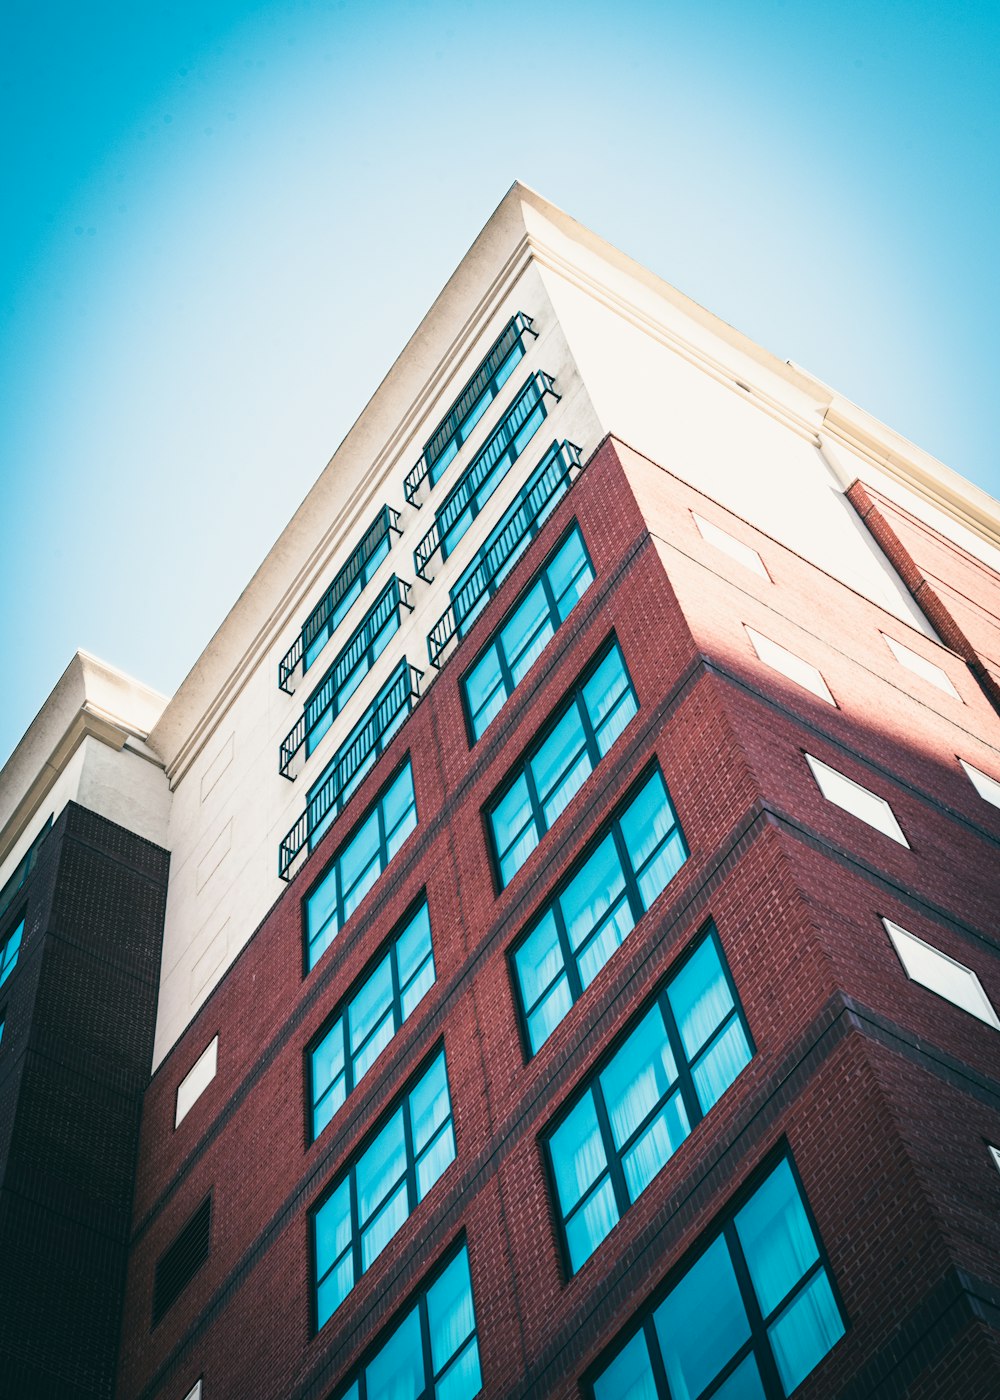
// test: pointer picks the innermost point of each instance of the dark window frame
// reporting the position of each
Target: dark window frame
(572, 696)
(418, 1298)
(611, 823)
(386, 948)
(706, 932)
(18, 924)
(395, 588)
(348, 1168)
(376, 804)
(723, 1224)
(540, 575)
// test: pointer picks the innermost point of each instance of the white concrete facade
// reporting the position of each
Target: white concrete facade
(629, 355)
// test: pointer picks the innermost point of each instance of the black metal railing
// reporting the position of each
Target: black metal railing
(525, 516)
(503, 443)
(359, 751)
(382, 527)
(395, 595)
(481, 384)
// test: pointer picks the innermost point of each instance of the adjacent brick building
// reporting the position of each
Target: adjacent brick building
(625, 1023)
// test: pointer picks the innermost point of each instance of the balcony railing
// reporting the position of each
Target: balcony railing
(470, 405)
(486, 471)
(364, 645)
(522, 520)
(346, 586)
(356, 755)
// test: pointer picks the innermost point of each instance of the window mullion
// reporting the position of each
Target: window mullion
(589, 732)
(625, 861)
(615, 1168)
(411, 1158)
(758, 1331)
(569, 958)
(684, 1076)
(358, 1257)
(538, 816)
(345, 1023)
(656, 1358)
(425, 1346)
(397, 992)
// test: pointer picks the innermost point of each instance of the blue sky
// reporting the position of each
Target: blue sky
(221, 222)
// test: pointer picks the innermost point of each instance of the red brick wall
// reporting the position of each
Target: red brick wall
(884, 1093)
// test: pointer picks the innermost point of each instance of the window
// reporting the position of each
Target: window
(366, 644)
(987, 787)
(433, 1353)
(381, 1188)
(597, 908)
(663, 1078)
(748, 1320)
(550, 598)
(789, 665)
(22, 870)
(736, 549)
(494, 371)
(866, 806)
(350, 1044)
(9, 951)
(517, 527)
(197, 1080)
(486, 471)
(924, 963)
(348, 586)
(558, 765)
(359, 863)
(920, 666)
(342, 593)
(3, 1022)
(178, 1265)
(359, 751)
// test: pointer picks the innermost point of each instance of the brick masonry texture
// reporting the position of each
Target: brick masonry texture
(885, 1094)
(77, 1044)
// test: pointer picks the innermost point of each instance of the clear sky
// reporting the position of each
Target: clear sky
(222, 221)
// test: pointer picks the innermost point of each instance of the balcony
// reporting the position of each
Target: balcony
(348, 670)
(356, 755)
(485, 472)
(443, 444)
(331, 609)
(519, 524)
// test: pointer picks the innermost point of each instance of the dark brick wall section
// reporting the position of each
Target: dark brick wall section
(885, 1094)
(74, 1060)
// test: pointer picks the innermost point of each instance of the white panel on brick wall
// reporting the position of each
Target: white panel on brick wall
(197, 1080)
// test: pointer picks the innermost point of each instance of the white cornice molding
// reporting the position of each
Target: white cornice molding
(935, 483)
(90, 721)
(715, 368)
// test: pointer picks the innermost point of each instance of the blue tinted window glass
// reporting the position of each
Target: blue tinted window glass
(630, 1376)
(434, 1351)
(706, 1327)
(777, 1238)
(600, 905)
(372, 1018)
(381, 1188)
(635, 1112)
(358, 864)
(702, 1323)
(397, 1372)
(557, 588)
(9, 952)
(805, 1331)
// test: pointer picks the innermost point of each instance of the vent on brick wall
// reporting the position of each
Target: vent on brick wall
(182, 1260)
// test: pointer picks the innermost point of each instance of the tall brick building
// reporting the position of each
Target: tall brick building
(559, 906)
